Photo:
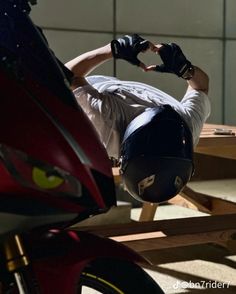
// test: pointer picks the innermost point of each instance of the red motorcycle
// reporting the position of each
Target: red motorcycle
(54, 172)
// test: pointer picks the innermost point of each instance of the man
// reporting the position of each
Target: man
(150, 132)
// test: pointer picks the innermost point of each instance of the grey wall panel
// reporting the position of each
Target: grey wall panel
(68, 45)
(171, 17)
(230, 19)
(74, 14)
(230, 83)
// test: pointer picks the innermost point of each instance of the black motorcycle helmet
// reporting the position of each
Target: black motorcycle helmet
(156, 155)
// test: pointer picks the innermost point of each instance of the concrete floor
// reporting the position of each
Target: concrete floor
(191, 269)
(207, 268)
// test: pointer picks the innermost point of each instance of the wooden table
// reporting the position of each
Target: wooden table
(218, 227)
(218, 145)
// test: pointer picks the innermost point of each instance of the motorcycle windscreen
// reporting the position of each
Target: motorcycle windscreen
(30, 49)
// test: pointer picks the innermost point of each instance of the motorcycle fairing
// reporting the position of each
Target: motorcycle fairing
(39, 113)
(59, 257)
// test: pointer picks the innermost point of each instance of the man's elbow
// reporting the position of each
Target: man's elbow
(205, 86)
(200, 81)
(78, 82)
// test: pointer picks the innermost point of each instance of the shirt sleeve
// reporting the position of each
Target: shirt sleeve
(197, 108)
(99, 108)
(93, 102)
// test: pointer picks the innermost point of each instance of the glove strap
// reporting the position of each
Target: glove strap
(115, 48)
(189, 73)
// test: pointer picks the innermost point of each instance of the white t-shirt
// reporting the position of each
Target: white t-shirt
(112, 104)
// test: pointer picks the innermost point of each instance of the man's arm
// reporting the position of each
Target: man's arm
(126, 48)
(199, 81)
(85, 63)
(175, 62)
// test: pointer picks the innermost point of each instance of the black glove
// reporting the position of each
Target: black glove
(128, 47)
(174, 61)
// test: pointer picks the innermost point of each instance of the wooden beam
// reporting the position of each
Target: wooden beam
(180, 226)
(181, 201)
(147, 236)
(148, 212)
(208, 204)
(154, 241)
(116, 175)
(201, 201)
(209, 167)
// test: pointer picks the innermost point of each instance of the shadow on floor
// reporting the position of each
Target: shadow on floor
(207, 252)
(196, 284)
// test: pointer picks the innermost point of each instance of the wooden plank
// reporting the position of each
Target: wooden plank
(201, 201)
(208, 167)
(181, 201)
(221, 206)
(208, 204)
(149, 242)
(148, 212)
(218, 149)
(190, 225)
(231, 245)
(208, 129)
(218, 145)
(116, 175)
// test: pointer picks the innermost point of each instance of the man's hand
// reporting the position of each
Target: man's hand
(174, 61)
(128, 48)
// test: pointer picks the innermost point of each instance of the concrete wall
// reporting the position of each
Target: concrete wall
(205, 29)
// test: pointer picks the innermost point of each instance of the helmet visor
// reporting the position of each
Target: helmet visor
(162, 138)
